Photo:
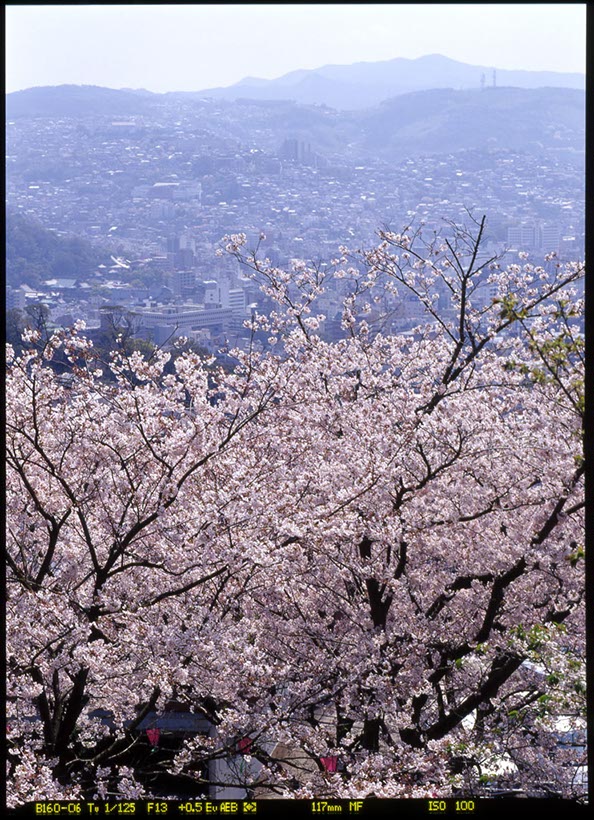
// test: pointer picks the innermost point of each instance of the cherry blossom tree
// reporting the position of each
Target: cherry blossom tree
(360, 560)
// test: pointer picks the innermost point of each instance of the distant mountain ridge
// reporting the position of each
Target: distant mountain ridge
(78, 100)
(364, 84)
(342, 87)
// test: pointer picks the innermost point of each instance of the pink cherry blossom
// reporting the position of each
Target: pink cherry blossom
(368, 550)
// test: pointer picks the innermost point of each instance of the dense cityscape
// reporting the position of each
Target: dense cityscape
(157, 192)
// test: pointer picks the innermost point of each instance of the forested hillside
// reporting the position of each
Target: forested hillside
(34, 253)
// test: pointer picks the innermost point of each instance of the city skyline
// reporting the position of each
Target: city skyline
(189, 47)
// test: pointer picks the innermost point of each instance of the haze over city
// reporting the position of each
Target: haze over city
(190, 47)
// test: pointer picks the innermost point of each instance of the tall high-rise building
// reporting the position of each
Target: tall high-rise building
(550, 238)
(183, 282)
(522, 237)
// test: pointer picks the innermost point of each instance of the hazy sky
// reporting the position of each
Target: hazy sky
(190, 47)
